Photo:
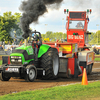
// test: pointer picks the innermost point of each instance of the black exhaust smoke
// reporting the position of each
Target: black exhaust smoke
(32, 9)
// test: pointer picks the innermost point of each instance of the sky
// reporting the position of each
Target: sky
(55, 20)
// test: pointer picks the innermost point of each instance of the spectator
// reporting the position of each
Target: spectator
(21, 43)
(1, 48)
(13, 43)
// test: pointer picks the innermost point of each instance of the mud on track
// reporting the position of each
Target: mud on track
(16, 85)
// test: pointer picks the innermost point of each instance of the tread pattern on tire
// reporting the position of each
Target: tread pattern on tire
(46, 62)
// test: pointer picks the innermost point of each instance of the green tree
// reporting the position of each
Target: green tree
(8, 23)
(65, 36)
(53, 36)
(91, 37)
(43, 36)
(48, 34)
(94, 38)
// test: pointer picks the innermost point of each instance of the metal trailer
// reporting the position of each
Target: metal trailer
(75, 54)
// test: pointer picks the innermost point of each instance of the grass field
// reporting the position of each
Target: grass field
(70, 92)
(97, 59)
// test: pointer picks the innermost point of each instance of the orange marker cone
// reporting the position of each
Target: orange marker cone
(84, 78)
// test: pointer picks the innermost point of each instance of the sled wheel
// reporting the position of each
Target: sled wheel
(89, 69)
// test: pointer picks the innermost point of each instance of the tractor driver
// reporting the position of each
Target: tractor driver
(36, 39)
(79, 25)
(36, 43)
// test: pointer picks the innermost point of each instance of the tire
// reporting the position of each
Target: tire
(76, 72)
(4, 78)
(31, 73)
(89, 69)
(50, 63)
(4, 59)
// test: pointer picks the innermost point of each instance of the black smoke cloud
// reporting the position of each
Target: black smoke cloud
(32, 9)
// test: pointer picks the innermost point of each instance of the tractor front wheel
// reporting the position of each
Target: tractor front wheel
(3, 77)
(31, 73)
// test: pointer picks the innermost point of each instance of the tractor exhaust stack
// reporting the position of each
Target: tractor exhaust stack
(25, 42)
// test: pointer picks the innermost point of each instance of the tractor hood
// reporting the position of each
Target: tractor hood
(29, 49)
(25, 52)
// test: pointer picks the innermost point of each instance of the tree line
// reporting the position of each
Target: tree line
(9, 29)
(54, 36)
(94, 38)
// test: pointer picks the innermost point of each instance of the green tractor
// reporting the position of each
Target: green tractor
(32, 60)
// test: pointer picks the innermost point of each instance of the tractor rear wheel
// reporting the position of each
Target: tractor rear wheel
(3, 77)
(50, 63)
(31, 73)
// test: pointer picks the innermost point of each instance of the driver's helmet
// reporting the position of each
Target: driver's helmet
(35, 37)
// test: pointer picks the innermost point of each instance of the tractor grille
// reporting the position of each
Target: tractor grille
(16, 60)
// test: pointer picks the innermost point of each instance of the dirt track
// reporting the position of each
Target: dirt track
(16, 85)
